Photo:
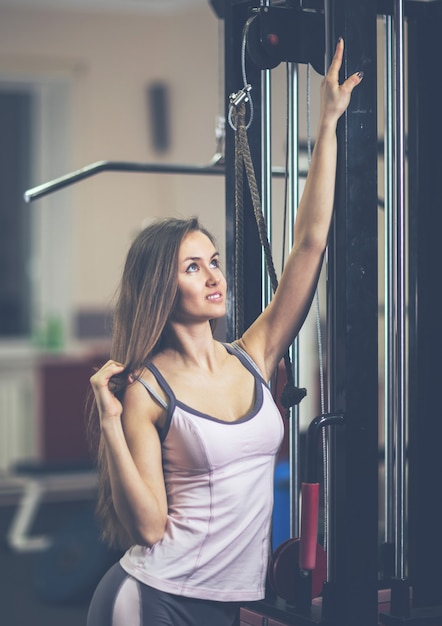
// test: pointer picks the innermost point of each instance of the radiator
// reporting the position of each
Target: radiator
(18, 440)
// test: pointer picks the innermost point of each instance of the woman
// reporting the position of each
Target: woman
(189, 431)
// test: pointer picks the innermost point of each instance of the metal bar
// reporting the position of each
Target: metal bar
(327, 437)
(389, 298)
(424, 52)
(399, 152)
(293, 201)
(118, 166)
(352, 309)
(127, 166)
(266, 171)
(266, 177)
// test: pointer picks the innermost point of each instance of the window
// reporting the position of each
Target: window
(15, 227)
(34, 238)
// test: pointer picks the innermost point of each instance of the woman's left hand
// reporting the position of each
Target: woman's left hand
(335, 98)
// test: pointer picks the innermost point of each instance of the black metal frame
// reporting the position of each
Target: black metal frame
(425, 162)
(353, 328)
(351, 594)
(350, 597)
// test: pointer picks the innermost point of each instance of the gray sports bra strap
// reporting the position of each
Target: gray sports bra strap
(248, 358)
(153, 393)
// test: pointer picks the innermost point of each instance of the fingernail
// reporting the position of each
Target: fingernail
(360, 74)
(339, 39)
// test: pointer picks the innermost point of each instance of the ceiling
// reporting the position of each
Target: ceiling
(120, 6)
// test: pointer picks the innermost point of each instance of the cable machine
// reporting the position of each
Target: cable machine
(352, 561)
(409, 565)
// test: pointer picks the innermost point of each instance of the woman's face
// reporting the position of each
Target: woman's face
(201, 283)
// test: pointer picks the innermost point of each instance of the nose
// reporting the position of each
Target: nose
(212, 278)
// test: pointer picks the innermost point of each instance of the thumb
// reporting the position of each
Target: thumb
(352, 81)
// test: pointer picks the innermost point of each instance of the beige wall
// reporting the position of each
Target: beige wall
(107, 61)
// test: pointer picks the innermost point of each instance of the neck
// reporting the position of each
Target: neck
(192, 345)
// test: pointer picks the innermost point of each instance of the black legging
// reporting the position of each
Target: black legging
(120, 600)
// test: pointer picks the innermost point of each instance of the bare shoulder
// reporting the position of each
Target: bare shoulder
(252, 348)
(142, 419)
(139, 406)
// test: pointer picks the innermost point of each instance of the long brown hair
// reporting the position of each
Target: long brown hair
(146, 299)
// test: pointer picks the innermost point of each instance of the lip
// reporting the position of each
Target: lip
(216, 296)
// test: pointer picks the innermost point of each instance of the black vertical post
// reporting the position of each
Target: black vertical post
(425, 184)
(351, 593)
(236, 14)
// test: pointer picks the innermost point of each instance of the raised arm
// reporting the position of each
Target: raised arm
(269, 336)
(133, 453)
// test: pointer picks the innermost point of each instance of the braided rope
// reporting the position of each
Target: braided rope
(239, 235)
(291, 395)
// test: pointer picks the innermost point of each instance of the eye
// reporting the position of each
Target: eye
(215, 263)
(193, 267)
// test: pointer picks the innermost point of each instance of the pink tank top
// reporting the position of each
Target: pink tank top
(219, 480)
